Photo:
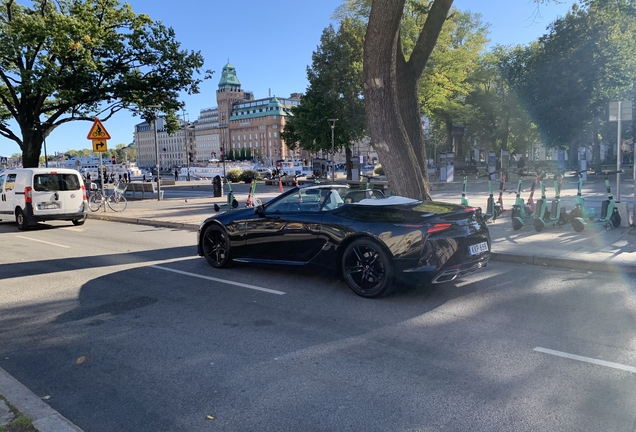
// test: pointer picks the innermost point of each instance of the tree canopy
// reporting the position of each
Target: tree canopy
(334, 92)
(568, 78)
(69, 60)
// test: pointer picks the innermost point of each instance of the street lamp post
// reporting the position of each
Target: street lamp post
(332, 123)
(185, 145)
(188, 155)
(222, 150)
(155, 107)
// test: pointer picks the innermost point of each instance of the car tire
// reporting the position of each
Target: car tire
(78, 222)
(215, 244)
(21, 220)
(367, 269)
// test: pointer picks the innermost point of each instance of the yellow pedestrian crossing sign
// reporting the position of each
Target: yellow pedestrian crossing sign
(100, 146)
(98, 132)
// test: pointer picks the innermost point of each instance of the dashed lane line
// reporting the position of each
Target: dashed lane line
(587, 359)
(45, 242)
(242, 285)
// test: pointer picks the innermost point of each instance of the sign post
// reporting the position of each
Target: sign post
(98, 135)
(619, 111)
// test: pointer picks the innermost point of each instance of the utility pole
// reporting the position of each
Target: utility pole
(332, 123)
(155, 108)
(185, 145)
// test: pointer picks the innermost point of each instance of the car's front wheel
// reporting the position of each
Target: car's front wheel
(216, 246)
(367, 269)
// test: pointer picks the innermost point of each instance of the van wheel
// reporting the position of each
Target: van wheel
(20, 220)
(78, 222)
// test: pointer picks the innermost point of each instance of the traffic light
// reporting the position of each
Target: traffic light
(191, 156)
(113, 159)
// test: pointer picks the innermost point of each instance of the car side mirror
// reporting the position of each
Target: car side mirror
(260, 210)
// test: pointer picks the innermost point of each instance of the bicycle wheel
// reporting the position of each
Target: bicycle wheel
(117, 202)
(96, 201)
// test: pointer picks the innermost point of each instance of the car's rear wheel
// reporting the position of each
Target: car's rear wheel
(367, 269)
(216, 246)
(21, 220)
(78, 222)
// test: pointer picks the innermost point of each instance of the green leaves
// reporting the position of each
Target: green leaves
(335, 91)
(80, 59)
(568, 78)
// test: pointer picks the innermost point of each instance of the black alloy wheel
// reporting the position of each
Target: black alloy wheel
(216, 246)
(367, 269)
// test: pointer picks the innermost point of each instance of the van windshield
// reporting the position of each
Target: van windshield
(56, 182)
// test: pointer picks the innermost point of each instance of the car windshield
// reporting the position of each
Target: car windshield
(308, 199)
(56, 182)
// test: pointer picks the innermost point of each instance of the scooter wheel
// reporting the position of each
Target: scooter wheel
(235, 204)
(577, 225)
(538, 225)
(615, 220)
(516, 224)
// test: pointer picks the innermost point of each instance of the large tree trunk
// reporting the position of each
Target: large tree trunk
(31, 146)
(390, 92)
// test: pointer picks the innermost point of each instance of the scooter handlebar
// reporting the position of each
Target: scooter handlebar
(613, 172)
(489, 174)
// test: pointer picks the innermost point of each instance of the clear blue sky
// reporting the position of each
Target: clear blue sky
(270, 44)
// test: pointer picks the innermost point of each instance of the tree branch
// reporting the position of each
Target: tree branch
(428, 36)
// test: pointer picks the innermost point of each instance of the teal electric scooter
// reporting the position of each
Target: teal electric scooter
(464, 200)
(232, 203)
(580, 213)
(493, 209)
(555, 216)
(610, 217)
(522, 212)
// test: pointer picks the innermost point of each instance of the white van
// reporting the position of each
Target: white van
(32, 195)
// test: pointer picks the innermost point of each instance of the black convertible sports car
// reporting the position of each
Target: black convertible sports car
(371, 241)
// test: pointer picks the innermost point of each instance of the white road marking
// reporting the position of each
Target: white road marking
(253, 287)
(45, 242)
(587, 359)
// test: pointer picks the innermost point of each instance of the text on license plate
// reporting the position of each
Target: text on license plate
(47, 206)
(478, 248)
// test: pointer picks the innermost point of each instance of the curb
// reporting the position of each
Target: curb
(44, 418)
(536, 260)
(149, 222)
(566, 263)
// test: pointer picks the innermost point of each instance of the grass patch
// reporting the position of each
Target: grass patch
(20, 423)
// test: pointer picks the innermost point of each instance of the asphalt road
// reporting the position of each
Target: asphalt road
(124, 328)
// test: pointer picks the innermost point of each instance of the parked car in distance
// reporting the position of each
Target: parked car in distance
(371, 242)
(32, 195)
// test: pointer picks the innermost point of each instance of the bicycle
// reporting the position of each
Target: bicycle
(116, 200)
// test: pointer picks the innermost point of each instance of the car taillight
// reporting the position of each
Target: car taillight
(470, 209)
(28, 194)
(435, 228)
(83, 193)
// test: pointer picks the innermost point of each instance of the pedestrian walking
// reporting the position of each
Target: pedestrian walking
(176, 174)
(521, 164)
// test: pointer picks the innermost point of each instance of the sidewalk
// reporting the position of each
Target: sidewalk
(594, 249)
